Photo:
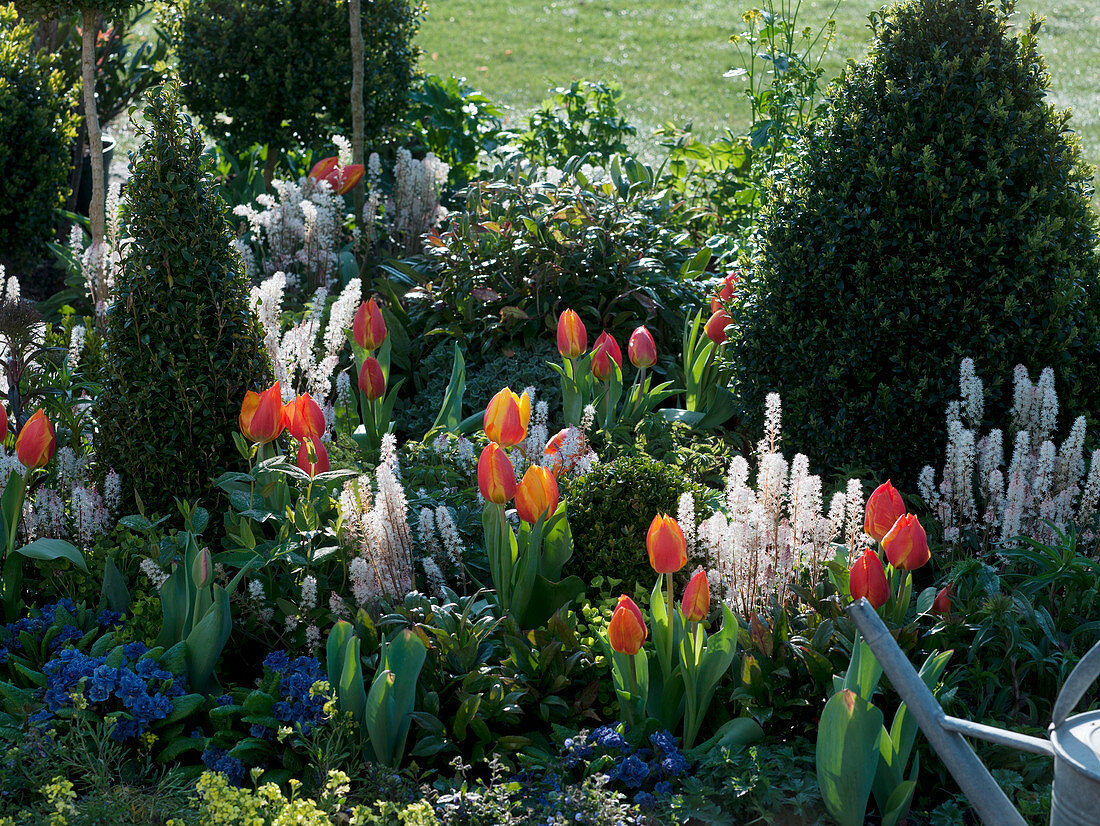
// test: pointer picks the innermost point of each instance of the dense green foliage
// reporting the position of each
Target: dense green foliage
(609, 513)
(37, 123)
(938, 209)
(280, 70)
(183, 345)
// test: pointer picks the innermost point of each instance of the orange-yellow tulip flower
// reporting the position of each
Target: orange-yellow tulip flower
(627, 630)
(666, 545)
(564, 450)
(371, 380)
(716, 326)
(369, 327)
(262, 418)
(641, 348)
(320, 461)
(906, 544)
(496, 478)
(884, 508)
(304, 418)
(35, 444)
(506, 418)
(868, 579)
(572, 337)
(696, 602)
(536, 495)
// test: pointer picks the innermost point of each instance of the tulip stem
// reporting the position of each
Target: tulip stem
(671, 623)
(633, 688)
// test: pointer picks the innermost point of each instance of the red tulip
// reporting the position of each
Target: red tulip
(371, 380)
(868, 579)
(642, 349)
(35, 444)
(304, 418)
(506, 417)
(572, 337)
(341, 178)
(716, 326)
(536, 495)
(696, 601)
(942, 603)
(557, 459)
(906, 544)
(496, 478)
(369, 327)
(627, 630)
(884, 508)
(604, 351)
(725, 293)
(261, 418)
(666, 545)
(3, 423)
(319, 464)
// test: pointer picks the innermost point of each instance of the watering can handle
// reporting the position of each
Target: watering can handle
(1079, 681)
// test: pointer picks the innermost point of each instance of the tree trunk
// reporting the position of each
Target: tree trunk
(269, 166)
(95, 136)
(357, 101)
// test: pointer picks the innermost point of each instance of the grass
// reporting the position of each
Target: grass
(670, 55)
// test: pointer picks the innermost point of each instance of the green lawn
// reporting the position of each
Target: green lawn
(670, 55)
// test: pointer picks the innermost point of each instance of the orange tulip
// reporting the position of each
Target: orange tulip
(536, 495)
(906, 544)
(35, 444)
(884, 508)
(320, 461)
(942, 603)
(371, 380)
(868, 579)
(696, 602)
(496, 478)
(562, 457)
(627, 631)
(604, 351)
(261, 418)
(642, 349)
(666, 545)
(341, 178)
(304, 418)
(369, 327)
(716, 326)
(3, 423)
(725, 293)
(572, 337)
(506, 418)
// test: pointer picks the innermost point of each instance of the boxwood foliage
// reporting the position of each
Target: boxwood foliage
(37, 122)
(183, 345)
(278, 72)
(938, 209)
(610, 510)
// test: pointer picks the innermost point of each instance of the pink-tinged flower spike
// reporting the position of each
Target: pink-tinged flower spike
(369, 327)
(572, 337)
(884, 508)
(906, 544)
(642, 349)
(35, 444)
(319, 462)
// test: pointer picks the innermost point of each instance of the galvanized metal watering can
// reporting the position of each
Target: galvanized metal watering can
(1074, 741)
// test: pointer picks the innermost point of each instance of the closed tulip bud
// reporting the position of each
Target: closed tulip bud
(536, 495)
(3, 423)
(627, 630)
(564, 450)
(696, 602)
(641, 348)
(666, 545)
(884, 508)
(506, 418)
(35, 444)
(369, 327)
(312, 457)
(304, 418)
(261, 418)
(572, 337)
(716, 326)
(371, 380)
(202, 569)
(604, 351)
(868, 579)
(942, 603)
(906, 544)
(496, 478)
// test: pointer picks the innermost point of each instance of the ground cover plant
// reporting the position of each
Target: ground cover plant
(437, 465)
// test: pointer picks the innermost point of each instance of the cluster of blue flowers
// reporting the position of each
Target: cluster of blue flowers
(219, 760)
(656, 764)
(297, 706)
(37, 626)
(139, 687)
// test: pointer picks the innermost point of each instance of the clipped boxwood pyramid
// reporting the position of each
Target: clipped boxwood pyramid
(937, 209)
(183, 345)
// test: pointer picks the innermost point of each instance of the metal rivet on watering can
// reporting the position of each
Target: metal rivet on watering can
(1074, 742)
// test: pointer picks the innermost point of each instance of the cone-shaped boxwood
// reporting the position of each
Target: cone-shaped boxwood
(938, 209)
(183, 345)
